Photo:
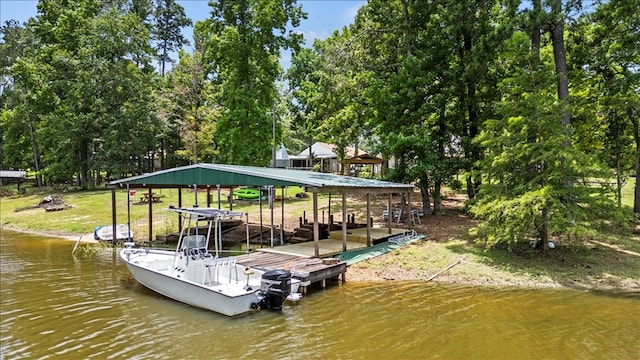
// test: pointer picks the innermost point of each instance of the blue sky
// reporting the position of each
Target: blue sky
(324, 16)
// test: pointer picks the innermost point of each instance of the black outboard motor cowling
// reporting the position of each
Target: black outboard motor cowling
(275, 286)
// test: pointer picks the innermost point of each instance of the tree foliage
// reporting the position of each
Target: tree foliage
(242, 42)
(169, 18)
(534, 105)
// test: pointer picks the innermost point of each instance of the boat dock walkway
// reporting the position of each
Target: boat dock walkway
(299, 258)
(307, 270)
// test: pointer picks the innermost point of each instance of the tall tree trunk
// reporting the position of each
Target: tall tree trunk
(471, 152)
(560, 60)
(618, 155)
(36, 154)
(535, 33)
(34, 145)
(544, 230)
(437, 197)
(426, 198)
(441, 138)
(636, 135)
(407, 25)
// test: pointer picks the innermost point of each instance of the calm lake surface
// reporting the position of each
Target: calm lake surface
(58, 306)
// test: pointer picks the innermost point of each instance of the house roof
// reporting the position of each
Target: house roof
(208, 175)
(323, 150)
(282, 154)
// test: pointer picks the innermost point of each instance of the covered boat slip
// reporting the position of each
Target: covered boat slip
(215, 176)
(207, 177)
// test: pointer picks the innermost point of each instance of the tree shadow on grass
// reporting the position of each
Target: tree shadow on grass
(590, 266)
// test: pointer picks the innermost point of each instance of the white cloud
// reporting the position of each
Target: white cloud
(349, 15)
(311, 35)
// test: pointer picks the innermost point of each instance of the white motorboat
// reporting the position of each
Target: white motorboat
(192, 275)
(123, 232)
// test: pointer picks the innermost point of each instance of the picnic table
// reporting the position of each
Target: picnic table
(154, 198)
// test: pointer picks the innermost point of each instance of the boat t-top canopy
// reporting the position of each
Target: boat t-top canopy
(206, 213)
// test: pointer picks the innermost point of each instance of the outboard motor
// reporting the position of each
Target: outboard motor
(275, 286)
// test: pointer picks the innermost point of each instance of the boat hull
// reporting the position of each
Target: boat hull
(225, 297)
(105, 233)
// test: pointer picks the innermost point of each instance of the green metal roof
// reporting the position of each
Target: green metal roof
(203, 175)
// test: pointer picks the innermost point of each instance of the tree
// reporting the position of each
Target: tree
(19, 124)
(92, 100)
(303, 78)
(607, 44)
(242, 41)
(526, 197)
(167, 32)
(191, 95)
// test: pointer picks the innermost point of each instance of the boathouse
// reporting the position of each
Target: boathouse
(206, 178)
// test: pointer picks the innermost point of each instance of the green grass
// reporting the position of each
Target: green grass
(89, 209)
(627, 192)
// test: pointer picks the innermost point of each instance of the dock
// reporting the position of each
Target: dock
(298, 258)
(306, 269)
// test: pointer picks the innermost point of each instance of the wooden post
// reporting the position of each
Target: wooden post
(282, 217)
(260, 204)
(179, 214)
(410, 212)
(368, 220)
(390, 214)
(344, 222)
(218, 188)
(150, 214)
(113, 216)
(316, 228)
(329, 214)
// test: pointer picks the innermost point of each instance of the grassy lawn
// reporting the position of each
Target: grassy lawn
(627, 192)
(85, 210)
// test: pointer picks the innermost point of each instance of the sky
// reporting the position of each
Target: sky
(324, 16)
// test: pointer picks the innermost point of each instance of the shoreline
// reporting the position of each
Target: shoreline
(464, 270)
(85, 238)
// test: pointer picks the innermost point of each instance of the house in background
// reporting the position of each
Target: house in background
(282, 158)
(325, 156)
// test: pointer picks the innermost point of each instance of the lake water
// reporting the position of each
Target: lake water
(55, 305)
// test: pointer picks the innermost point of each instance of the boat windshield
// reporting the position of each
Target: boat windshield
(193, 241)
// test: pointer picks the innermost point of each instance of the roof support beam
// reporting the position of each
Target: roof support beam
(316, 227)
(368, 219)
(344, 222)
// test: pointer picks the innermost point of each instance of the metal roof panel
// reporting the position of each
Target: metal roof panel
(238, 175)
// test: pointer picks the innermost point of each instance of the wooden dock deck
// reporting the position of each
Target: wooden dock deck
(307, 270)
(299, 258)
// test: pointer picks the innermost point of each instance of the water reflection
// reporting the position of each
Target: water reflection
(55, 305)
